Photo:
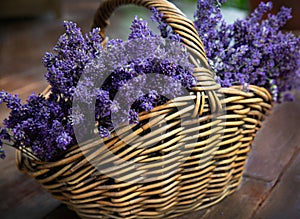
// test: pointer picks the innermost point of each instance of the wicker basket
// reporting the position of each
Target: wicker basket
(188, 168)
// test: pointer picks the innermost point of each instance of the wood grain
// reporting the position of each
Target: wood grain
(271, 186)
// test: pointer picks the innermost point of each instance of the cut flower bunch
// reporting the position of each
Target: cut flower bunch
(249, 51)
(79, 63)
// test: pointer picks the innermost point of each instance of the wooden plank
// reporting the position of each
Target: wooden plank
(21, 195)
(22, 47)
(62, 212)
(23, 44)
(284, 201)
(276, 142)
(21, 72)
(240, 204)
(193, 215)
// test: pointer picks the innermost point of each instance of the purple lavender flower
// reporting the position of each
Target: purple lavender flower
(34, 124)
(11, 101)
(251, 50)
(288, 97)
(103, 132)
(78, 62)
(71, 54)
(63, 140)
(139, 29)
(133, 116)
(129, 62)
(2, 152)
(165, 30)
(5, 136)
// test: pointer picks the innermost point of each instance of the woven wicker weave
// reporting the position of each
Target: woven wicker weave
(188, 168)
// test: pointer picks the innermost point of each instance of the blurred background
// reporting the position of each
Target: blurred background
(29, 28)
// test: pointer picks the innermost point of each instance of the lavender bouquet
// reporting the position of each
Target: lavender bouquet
(249, 51)
(43, 127)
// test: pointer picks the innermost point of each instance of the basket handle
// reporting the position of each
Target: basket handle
(172, 15)
(183, 27)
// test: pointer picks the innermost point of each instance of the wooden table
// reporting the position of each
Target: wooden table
(271, 185)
